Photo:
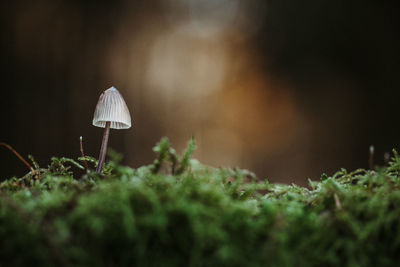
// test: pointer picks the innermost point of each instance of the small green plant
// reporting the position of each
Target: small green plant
(179, 212)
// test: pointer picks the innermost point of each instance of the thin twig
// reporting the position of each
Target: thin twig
(371, 157)
(83, 154)
(337, 201)
(21, 158)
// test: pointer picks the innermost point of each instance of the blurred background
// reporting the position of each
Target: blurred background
(288, 89)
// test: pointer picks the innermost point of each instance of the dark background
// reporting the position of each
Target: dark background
(288, 89)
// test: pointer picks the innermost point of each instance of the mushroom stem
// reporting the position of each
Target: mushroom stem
(103, 149)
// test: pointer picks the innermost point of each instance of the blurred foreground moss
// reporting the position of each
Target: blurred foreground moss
(178, 212)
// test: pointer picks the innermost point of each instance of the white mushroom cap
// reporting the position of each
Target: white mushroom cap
(112, 107)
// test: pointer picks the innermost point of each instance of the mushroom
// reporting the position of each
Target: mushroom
(111, 112)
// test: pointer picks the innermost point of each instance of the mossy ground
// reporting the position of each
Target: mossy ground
(178, 212)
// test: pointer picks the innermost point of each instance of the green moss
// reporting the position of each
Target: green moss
(178, 212)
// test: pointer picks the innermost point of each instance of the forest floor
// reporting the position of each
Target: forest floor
(179, 212)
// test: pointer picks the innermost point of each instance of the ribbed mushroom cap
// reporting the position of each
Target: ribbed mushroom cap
(112, 107)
